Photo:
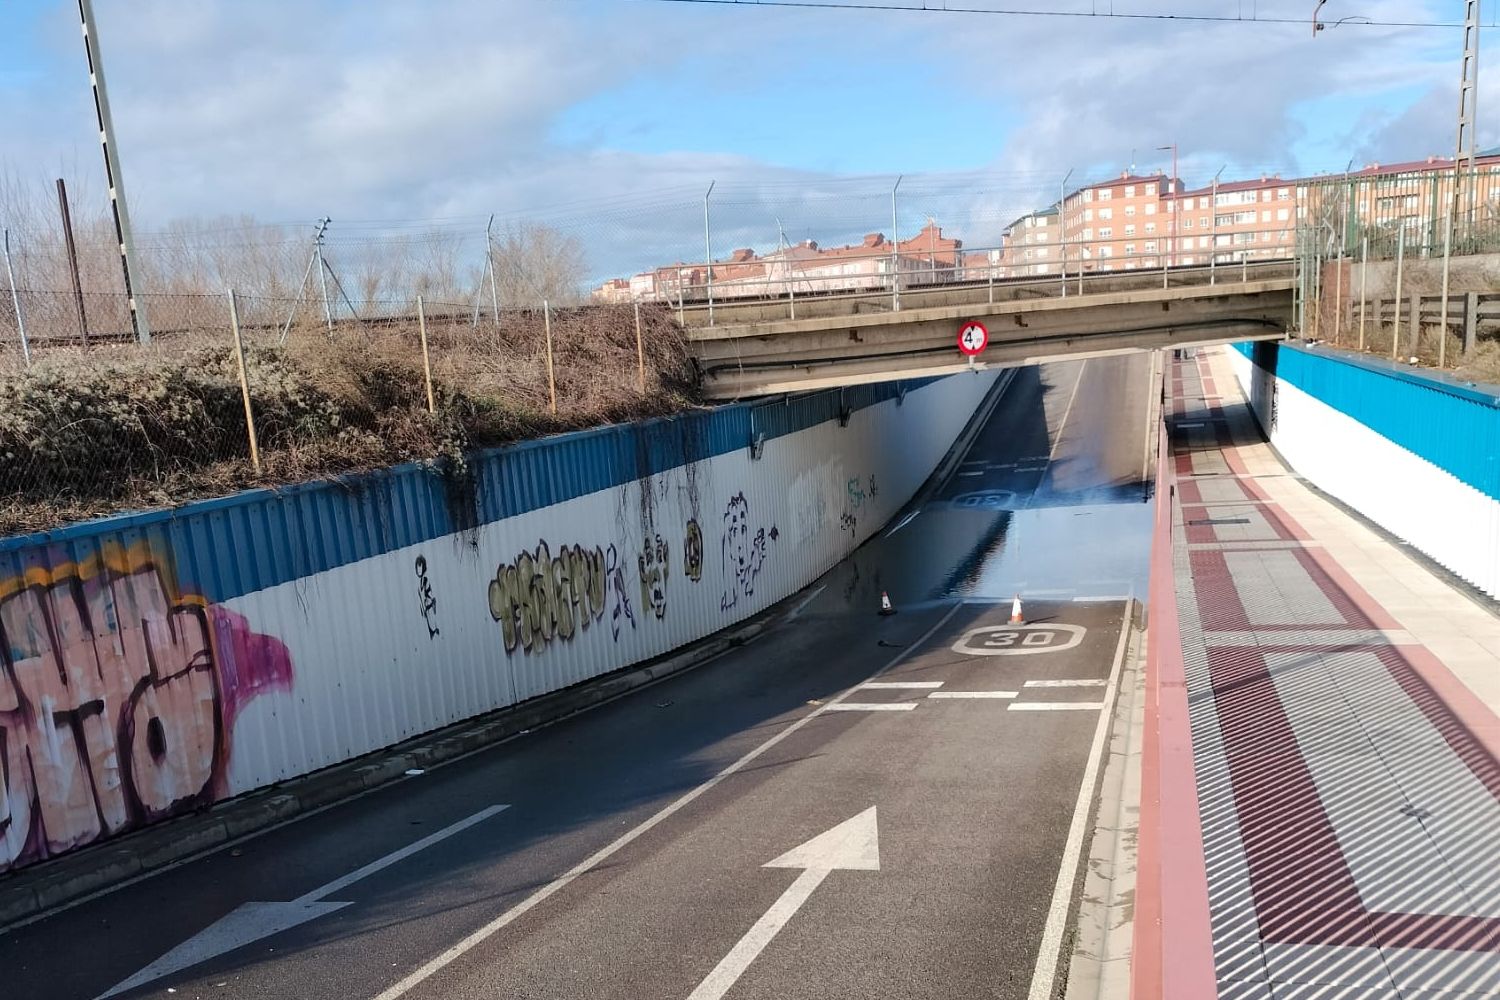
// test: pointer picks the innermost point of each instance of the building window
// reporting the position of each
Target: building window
(1130, 210)
(1130, 248)
(1151, 208)
(1151, 246)
(1203, 242)
(1088, 196)
(1088, 234)
(1284, 194)
(1130, 230)
(1265, 216)
(1283, 214)
(1150, 227)
(1187, 223)
(1105, 194)
(1130, 190)
(1186, 244)
(1265, 195)
(1187, 260)
(1105, 214)
(1041, 254)
(1106, 233)
(1106, 252)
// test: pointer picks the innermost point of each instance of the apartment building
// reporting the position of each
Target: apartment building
(1030, 245)
(1118, 225)
(928, 257)
(1232, 222)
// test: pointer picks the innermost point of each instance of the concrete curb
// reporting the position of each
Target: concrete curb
(40, 890)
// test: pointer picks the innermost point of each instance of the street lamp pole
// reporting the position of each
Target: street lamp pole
(895, 250)
(1062, 230)
(1176, 207)
(1213, 253)
(708, 255)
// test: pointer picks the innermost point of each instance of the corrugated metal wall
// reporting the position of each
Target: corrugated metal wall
(1418, 455)
(156, 662)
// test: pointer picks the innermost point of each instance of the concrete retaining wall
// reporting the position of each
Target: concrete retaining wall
(153, 664)
(1418, 456)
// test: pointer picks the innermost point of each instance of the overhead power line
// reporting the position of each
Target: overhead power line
(940, 7)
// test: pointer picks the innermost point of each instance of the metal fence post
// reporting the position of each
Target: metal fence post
(1400, 262)
(895, 250)
(1471, 321)
(1364, 266)
(67, 224)
(15, 298)
(551, 382)
(640, 350)
(1338, 297)
(1414, 322)
(239, 357)
(426, 360)
(323, 277)
(708, 273)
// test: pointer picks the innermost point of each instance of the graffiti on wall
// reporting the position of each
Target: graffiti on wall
(692, 551)
(743, 551)
(118, 698)
(425, 600)
(652, 564)
(538, 597)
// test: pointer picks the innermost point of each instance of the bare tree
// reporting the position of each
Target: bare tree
(535, 262)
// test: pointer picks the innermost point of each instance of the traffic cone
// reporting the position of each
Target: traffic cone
(885, 604)
(1015, 611)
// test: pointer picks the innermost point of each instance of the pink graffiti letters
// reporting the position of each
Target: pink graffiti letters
(117, 700)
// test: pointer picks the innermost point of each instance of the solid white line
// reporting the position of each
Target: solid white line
(419, 845)
(1066, 684)
(972, 694)
(902, 685)
(871, 706)
(1112, 598)
(449, 955)
(733, 965)
(1049, 954)
(1057, 706)
(792, 615)
(908, 519)
(977, 472)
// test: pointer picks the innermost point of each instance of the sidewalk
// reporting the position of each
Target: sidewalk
(1342, 707)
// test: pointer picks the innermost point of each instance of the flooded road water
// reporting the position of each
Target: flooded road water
(1052, 500)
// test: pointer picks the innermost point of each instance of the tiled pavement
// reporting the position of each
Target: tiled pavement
(1343, 711)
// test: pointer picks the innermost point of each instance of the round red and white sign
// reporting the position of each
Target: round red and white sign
(973, 338)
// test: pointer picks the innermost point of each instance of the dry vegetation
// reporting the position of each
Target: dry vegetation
(123, 427)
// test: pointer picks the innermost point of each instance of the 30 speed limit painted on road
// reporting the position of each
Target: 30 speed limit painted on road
(973, 338)
(1019, 640)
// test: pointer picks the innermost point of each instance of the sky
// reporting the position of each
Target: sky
(609, 119)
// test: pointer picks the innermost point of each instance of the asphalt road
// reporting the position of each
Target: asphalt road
(630, 858)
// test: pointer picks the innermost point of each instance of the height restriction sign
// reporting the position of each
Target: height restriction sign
(973, 338)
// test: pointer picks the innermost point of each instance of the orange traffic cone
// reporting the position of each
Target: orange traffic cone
(885, 604)
(1015, 611)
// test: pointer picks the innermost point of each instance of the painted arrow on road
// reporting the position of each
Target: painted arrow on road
(854, 845)
(250, 922)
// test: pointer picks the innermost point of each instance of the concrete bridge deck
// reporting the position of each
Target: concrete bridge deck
(1114, 315)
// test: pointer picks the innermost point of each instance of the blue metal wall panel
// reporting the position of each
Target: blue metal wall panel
(1454, 426)
(230, 546)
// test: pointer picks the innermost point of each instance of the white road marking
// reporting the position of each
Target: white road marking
(876, 706)
(854, 844)
(908, 519)
(1056, 706)
(792, 615)
(1111, 598)
(902, 685)
(450, 954)
(1049, 953)
(972, 694)
(1066, 684)
(976, 472)
(250, 922)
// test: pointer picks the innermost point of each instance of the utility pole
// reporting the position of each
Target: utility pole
(112, 170)
(1463, 158)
